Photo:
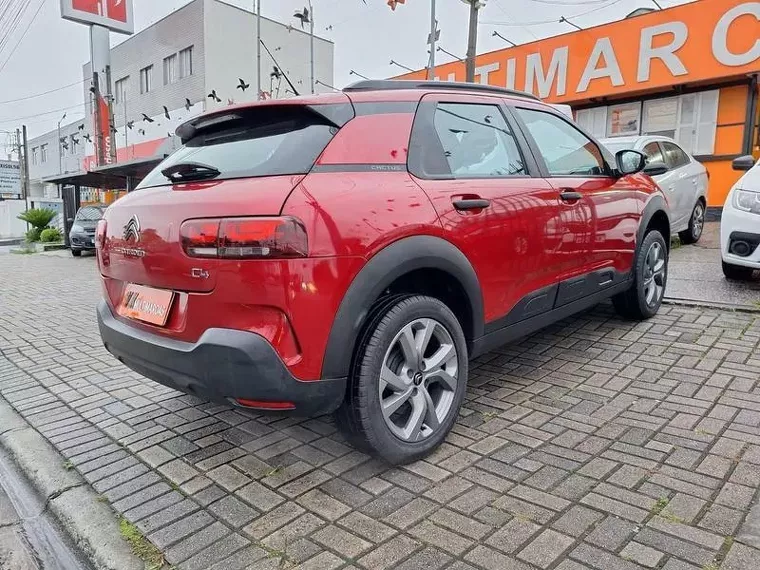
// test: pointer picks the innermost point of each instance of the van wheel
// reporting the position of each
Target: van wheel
(696, 225)
(650, 277)
(408, 380)
(737, 272)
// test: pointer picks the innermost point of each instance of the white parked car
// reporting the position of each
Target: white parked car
(682, 179)
(740, 222)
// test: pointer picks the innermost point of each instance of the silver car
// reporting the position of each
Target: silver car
(682, 178)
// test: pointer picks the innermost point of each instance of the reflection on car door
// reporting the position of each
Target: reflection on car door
(682, 184)
(493, 204)
(599, 211)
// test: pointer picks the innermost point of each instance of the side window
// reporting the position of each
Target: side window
(653, 153)
(477, 141)
(674, 155)
(565, 149)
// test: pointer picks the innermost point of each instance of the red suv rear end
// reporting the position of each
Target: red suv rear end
(353, 251)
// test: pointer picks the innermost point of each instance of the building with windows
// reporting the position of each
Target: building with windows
(689, 72)
(189, 62)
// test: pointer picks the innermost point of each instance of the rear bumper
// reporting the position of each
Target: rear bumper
(222, 366)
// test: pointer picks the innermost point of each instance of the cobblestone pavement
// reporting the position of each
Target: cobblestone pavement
(595, 444)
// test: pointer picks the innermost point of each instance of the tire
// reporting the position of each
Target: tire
(76, 252)
(423, 391)
(644, 298)
(737, 272)
(696, 224)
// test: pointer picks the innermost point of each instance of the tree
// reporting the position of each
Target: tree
(38, 218)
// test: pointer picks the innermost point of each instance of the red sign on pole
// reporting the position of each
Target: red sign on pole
(115, 15)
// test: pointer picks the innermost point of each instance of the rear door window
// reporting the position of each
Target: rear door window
(477, 142)
(267, 141)
(89, 214)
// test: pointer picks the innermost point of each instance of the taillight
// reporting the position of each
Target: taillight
(100, 234)
(244, 238)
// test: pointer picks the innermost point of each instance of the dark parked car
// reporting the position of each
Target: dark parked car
(353, 251)
(82, 234)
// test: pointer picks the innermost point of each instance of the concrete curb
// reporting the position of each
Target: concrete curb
(92, 525)
(710, 305)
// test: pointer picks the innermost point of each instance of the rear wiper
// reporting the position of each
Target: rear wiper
(187, 171)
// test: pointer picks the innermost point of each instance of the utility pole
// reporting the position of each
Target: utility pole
(311, 40)
(472, 41)
(25, 164)
(258, 50)
(433, 33)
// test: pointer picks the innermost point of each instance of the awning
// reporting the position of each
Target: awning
(110, 177)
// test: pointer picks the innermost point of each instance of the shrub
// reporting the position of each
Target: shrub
(33, 235)
(38, 217)
(50, 235)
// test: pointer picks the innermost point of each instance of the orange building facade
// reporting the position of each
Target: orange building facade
(689, 72)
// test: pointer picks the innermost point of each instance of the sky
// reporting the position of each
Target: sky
(49, 52)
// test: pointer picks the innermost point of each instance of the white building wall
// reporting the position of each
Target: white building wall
(10, 225)
(230, 34)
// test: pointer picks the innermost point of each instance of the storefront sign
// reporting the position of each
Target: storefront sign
(699, 41)
(10, 179)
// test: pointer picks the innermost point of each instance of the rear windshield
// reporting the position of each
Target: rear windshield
(264, 142)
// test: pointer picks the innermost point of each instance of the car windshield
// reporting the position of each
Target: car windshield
(90, 214)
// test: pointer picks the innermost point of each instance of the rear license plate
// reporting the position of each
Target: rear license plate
(146, 304)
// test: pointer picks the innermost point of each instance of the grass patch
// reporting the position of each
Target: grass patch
(711, 566)
(488, 416)
(101, 499)
(274, 471)
(670, 517)
(661, 503)
(68, 465)
(141, 546)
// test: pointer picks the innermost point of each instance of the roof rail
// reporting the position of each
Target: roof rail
(393, 84)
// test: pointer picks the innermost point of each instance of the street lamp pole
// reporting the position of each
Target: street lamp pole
(258, 50)
(433, 31)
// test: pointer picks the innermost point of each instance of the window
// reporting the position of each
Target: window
(675, 157)
(476, 141)
(623, 119)
(73, 144)
(120, 90)
(594, 121)
(653, 152)
(146, 79)
(35, 155)
(44, 153)
(170, 69)
(565, 150)
(266, 141)
(186, 62)
(660, 117)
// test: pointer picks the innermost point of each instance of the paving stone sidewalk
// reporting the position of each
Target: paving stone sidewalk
(595, 444)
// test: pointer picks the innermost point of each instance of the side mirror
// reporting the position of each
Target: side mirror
(743, 163)
(630, 161)
(655, 168)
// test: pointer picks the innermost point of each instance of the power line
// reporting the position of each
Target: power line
(16, 119)
(553, 20)
(18, 43)
(26, 98)
(14, 21)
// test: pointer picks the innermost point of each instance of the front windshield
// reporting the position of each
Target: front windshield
(90, 214)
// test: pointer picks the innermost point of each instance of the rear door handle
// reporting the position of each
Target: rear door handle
(570, 196)
(471, 204)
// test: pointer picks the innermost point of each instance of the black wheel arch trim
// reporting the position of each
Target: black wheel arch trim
(655, 204)
(385, 267)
